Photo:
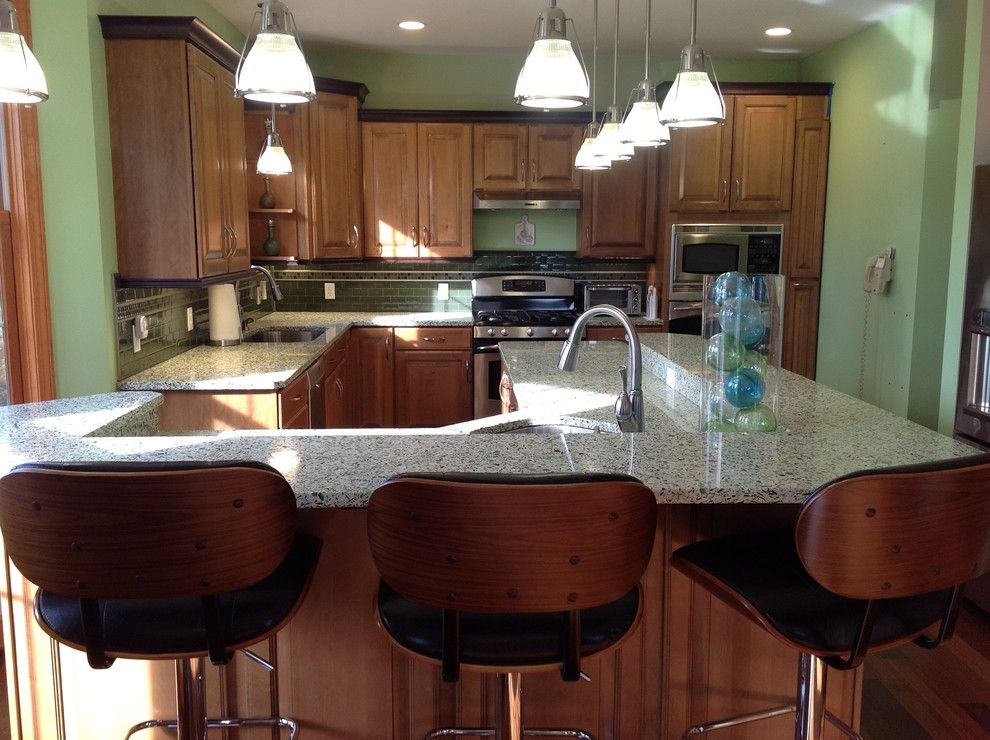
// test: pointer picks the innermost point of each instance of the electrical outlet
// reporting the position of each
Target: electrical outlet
(329, 291)
(443, 291)
(262, 293)
(190, 324)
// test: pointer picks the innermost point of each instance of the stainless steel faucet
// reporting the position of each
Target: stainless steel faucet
(629, 404)
(276, 291)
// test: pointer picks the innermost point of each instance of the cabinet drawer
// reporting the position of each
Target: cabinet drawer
(293, 399)
(424, 337)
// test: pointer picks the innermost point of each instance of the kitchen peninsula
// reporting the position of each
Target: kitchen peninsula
(336, 672)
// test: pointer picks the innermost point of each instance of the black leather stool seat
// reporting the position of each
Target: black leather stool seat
(766, 573)
(506, 640)
(174, 626)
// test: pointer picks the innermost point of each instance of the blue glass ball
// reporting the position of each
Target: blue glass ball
(730, 285)
(744, 388)
(742, 318)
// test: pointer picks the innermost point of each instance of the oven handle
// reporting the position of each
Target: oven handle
(684, 309)
(486, 348)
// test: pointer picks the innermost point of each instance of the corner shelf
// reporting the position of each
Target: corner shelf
(270, 212)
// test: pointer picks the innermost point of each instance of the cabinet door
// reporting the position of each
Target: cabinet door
(500, 151)
(390, 190)
(293, 405)
(209, 152)
(552, 149)
(619, 212)
(432, 388)
(800, 348)
(235, 178)
(336, 396)
(335, 177)
(700, 166)
(762, 152)
(374, 385)
(803, 249)
(445, 213)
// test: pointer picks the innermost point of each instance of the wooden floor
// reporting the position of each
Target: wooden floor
(915, 694)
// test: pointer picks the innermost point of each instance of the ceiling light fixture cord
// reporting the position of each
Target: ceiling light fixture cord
(615, 53)
(646, 64)
(594, 64)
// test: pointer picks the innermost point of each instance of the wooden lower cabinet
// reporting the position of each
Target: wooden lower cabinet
(800, 350)
(689, 659)
(433, 388)
(374, 388)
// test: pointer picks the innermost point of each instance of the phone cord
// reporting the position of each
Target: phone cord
(862, 347)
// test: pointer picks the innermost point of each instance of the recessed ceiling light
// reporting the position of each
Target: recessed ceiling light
(778, 31)
(412, 25)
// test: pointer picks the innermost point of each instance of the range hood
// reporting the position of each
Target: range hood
(527, 200)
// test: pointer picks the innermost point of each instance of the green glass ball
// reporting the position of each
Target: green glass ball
(756, 361)
(756, 419)
(724, 353)
(720, 425)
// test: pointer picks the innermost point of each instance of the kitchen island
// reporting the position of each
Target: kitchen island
(689, 659)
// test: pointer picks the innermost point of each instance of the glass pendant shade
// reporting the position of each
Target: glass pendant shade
(586, 158)
(609, 142)
(273, 159)
(552, 76)
(642, 126)
(21, 79)
(692, 101)
(275, 70)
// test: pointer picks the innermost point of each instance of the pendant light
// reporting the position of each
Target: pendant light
(586, 158)
(608, 142)
(274, 70)
(21, 78)
(642, 126)
(273, 159)
(552, 76)
(693, 100)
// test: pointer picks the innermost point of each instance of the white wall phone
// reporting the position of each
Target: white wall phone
(877, 275)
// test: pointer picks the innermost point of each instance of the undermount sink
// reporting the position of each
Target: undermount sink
(553, 429)
(286, 334)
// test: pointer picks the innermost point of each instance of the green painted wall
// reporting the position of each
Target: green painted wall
(76, 176)
(555, 231)
(892, 175)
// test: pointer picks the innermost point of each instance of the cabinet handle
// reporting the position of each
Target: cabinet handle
(434, 339)
(340, 386)
(426, 236)
(467, 367)
(738, 191)
(233, 238)
(723, 189)
(357, 237)
(522, 169)
(415, 236)
(532, 169)
(296, 398)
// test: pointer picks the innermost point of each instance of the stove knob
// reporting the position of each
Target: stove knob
(553, 332)
(491, 332)
(504, 332)
(529, 332)
(567, 332)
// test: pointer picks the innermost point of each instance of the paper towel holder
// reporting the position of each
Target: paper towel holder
(225, 315)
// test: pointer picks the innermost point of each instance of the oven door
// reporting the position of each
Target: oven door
(487, 376)
(685, 317)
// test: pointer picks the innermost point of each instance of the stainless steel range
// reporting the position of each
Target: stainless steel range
(514, 307)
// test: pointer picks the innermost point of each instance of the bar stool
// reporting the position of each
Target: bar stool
(508, 574)
(876, 558)
(175, 561)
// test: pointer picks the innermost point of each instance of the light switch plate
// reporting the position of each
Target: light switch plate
(329, 291)
(443, 291)
(190, 324)
(262, 293)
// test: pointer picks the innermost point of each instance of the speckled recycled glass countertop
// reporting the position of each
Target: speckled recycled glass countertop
(260, 366)
(825, 434)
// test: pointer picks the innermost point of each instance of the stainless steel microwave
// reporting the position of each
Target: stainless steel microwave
(711, 249)
(627, 296)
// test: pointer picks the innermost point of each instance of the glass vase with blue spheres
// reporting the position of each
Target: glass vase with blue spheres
(742, 328)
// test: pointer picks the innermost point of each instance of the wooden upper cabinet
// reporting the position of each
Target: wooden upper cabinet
(803, 248)
(179, 165)
(335, 176)
(744, 165)
(500, 154)
(417, 190)
(762, 152)
(619, 209)
(526, 157)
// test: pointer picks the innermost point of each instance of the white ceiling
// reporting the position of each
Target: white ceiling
(727, 29)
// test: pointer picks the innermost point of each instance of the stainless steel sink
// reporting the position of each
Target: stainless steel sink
(282, 334)
(553, 429)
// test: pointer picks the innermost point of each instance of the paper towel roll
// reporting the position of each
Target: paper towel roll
(225, 318)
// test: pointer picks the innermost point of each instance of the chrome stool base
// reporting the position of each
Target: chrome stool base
(810, 713)
(508, 710)
(190, 697)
